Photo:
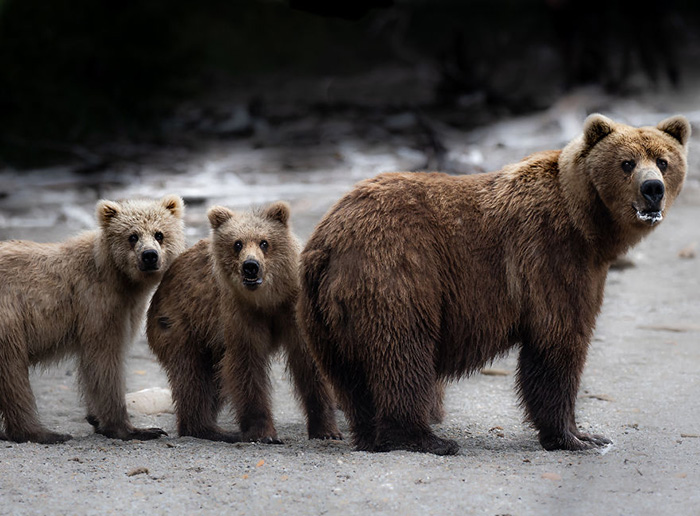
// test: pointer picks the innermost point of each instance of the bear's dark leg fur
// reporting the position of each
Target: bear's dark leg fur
(197, 393)
(245, 371)
(548, 381)
(311, 388)
(17, 403)
(406, 402)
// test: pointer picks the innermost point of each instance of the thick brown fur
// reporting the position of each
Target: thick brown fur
(84, 297)
(413, 278)
(214, 328)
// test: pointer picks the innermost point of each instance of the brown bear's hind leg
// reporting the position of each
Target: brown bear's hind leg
(17, 403)
(407, 399)
(312, 389)
(548, 381)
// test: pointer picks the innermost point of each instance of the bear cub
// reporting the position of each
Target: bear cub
(414, 278)
(84, 297)
(222, 309)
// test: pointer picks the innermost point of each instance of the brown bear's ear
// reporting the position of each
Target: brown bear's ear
(218, 215)
(596, 127)
(278, 211)
(107, 211)
(676, 126)
(174, 204)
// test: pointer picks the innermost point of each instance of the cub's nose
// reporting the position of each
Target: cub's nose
(150, 259)
(251, 268)
(653, 191)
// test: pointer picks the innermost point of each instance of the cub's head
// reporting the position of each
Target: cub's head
(142, 238)
(636, 172)
(255, 253)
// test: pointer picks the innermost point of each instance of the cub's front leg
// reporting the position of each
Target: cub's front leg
(101, 373)
(246, 379)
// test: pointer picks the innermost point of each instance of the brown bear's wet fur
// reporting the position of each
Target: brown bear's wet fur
(84, 297)
(214, 335)
(413, 278)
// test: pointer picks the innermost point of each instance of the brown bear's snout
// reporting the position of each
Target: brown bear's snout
(653, 191)
(251, 274)
(149, 260)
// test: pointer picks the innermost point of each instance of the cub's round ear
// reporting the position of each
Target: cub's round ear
(596, 127)
(106, 212)
(174, 204)
(278, 211)
(218, 215)
(676, 126)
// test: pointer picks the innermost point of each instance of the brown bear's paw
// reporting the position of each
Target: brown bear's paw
(428, 444)
(255, 437)
(40, 437)
(131, 433)
(596, 440)
(213, 434)
(573, 442)
(327, 436)
(326, 432)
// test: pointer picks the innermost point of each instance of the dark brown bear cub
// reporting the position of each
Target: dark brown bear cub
(415, 278)
(220, 312)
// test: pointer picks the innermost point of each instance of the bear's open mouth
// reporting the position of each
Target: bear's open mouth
(651, 217)
(252, 283)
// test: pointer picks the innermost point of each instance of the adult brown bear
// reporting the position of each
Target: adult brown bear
(416, 277)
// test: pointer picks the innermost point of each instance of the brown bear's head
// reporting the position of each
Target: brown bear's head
(637, 173)
(142, 238)
(255, 253)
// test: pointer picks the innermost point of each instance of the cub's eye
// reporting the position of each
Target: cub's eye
(133, 238)
(662, 164)
(237, 246)
(628, 165)
(159, 236)
(264, 245)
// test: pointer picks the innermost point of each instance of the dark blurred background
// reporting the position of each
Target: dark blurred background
(79, 76)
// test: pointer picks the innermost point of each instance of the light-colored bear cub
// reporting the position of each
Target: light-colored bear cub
(84, 297)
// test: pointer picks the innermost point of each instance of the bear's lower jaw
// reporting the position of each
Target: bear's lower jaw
(651, 217)
(252, 284)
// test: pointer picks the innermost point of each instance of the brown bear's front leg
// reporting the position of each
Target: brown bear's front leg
(17, 403)
(548, 381)
(246, 379)
(101, 377)
(311, 387)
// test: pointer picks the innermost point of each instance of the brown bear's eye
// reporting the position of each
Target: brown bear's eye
(264, 245)
(628, 165)
(662, 164)
(237, 246)
(159, 236)
(133, 238)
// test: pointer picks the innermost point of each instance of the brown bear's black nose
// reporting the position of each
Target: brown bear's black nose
(653, 191)
(150, 258)
(251, 269)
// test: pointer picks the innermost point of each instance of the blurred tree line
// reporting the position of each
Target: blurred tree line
(85, 71)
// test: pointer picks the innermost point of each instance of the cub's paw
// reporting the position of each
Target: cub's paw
(268, 439)
(573, 442)
(214, 435)
(40, 437)
(326, 433)
(131, 433)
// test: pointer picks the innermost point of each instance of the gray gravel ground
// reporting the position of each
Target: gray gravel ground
(640, 386)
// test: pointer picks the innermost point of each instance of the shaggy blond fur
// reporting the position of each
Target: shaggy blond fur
(214, 327)
(84, 297)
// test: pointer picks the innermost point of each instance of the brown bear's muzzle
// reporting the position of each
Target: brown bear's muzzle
(650, 203)
(149, 260)
(252, 277)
